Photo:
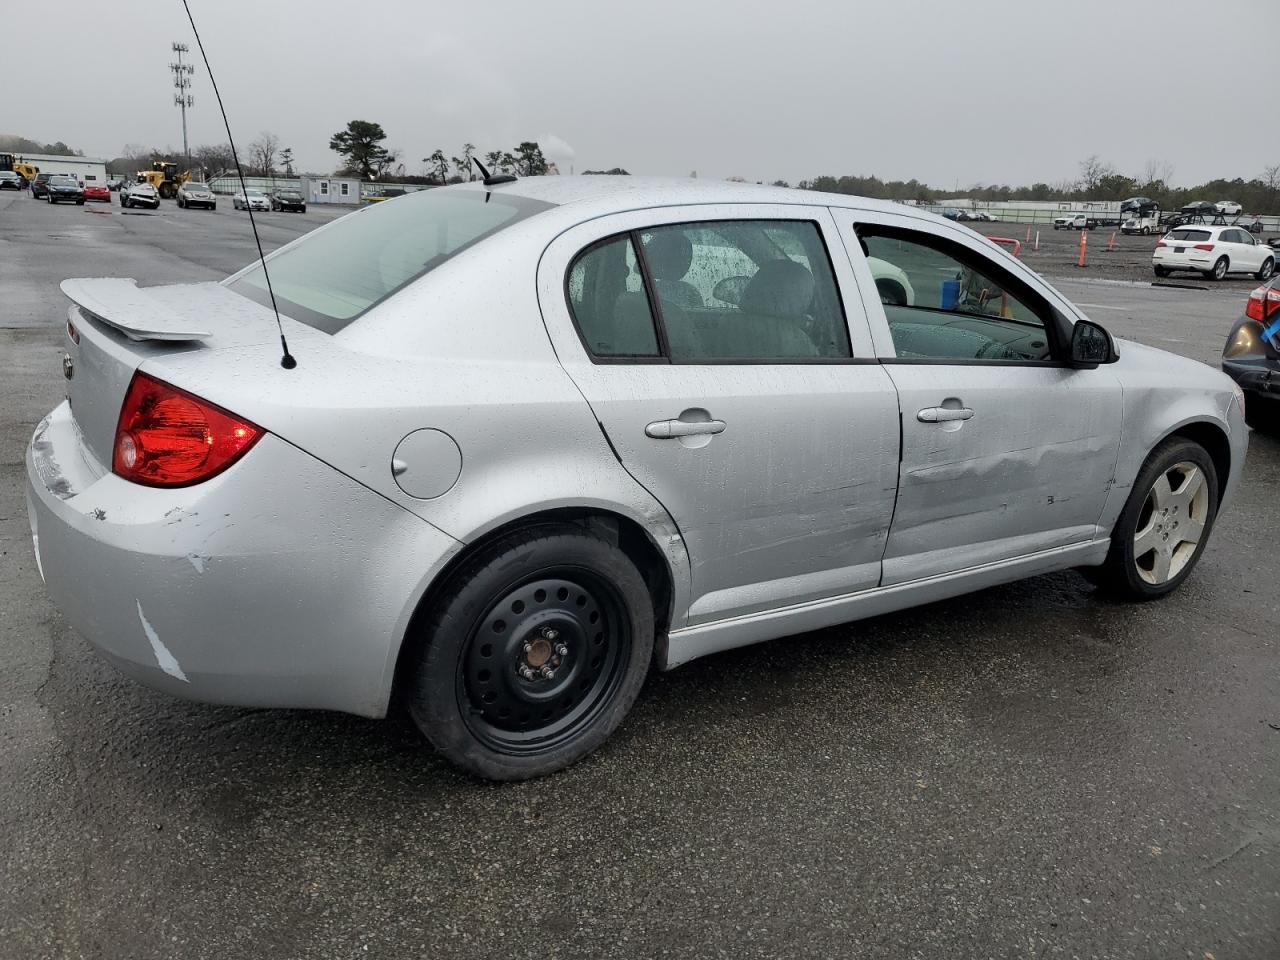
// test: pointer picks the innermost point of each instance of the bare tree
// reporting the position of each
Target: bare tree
(1157, 171)
(1271, 179)
(213, 159)
(1092, 172)
(262, 153)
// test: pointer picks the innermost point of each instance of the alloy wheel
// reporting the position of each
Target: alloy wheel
(1171, 523)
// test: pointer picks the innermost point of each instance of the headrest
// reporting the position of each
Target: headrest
(780, 288)
(669, 254)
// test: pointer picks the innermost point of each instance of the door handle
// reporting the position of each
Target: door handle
(672, 429)
(943, 414)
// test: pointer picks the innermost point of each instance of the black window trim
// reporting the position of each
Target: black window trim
(660, 327)
(1057, 327)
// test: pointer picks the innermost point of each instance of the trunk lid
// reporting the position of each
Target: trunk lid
(114, 326)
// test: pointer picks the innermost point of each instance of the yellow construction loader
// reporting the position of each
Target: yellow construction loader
(164, 176)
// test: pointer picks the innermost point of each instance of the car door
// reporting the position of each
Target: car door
(732, 373)
(1246, 255)
(1006, 450)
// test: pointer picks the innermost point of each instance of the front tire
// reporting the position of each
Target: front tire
(1268, 267)
(534, 653)
(1164, 525)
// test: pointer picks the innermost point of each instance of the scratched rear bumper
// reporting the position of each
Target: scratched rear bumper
(278, 583)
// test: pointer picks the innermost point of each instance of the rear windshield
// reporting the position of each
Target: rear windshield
(337, 273)
(1191, 235)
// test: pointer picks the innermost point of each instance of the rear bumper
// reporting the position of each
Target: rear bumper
(278, 583)
(1254, 375)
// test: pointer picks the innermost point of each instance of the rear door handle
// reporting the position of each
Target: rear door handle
(671, 429)
(943, 414)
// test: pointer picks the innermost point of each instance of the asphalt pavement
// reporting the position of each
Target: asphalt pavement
(1030, 771)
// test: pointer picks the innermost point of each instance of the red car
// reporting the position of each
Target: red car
(97, 191)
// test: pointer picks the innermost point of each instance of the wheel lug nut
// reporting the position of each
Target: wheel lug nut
(548, 673)
(561, 650)
(550, 633)
(528, 648)
(526, 672)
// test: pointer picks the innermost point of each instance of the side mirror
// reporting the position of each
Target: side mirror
(1091, 345)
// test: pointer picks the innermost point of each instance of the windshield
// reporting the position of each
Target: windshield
(289, 194)
(338, 273)
(197, 186)
(62, 181)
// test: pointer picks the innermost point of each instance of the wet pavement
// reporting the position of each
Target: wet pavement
(1030, 771)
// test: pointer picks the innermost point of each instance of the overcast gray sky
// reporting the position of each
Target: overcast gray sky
(950, 93)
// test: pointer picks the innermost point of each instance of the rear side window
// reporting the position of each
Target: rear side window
(609, 302)
(337, 273)
(1191, 236)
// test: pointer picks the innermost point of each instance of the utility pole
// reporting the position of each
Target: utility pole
(182, 83)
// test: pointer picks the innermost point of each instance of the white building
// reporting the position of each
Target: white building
(84, 169)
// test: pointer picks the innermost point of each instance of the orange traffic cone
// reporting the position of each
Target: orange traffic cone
(1028, 234)
(1084, 243)
(1111, 244)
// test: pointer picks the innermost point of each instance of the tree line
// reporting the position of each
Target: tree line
(1098, 180)
(11, 143)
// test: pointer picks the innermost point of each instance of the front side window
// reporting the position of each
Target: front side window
(337, 273)
(944, 301)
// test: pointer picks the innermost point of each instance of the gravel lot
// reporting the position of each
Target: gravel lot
(1031, 771)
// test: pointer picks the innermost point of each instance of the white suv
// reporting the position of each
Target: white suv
(1074, 221)
(1214, 251)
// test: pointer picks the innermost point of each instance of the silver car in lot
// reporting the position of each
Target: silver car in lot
(544, 434)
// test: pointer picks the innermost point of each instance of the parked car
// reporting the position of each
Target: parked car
(97, 191)
(40, 186)
(195, 194)
(114, 185)
(62, 189)
(1200, 208)
(1228, 208)
(951, 214)
(139, 195)
(244, 199)
(652, 473)
(1251, 356)
(1254, 226)
(11, 181)
(288, 200)
(984, 216)
(1072, 221)
(1213, 251)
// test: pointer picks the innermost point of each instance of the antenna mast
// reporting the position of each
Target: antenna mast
(182, 99)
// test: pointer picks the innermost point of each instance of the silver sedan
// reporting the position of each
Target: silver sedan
(544, 434)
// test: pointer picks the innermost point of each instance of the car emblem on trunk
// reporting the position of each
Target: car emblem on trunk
(68, 366)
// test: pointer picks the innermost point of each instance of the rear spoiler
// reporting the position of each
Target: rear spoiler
(151, 313)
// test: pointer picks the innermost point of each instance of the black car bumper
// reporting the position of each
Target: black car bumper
(1255, 374)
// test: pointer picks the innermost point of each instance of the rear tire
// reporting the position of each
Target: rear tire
(1219, 270)
(1175, 493)
(556, 598)
(1268, 267)
(1161, 271)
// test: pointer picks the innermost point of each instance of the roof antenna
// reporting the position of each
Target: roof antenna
(489, 178)
(286, 358)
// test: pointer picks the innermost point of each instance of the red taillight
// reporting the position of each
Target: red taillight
(167, 437)
(1263, 303)
(72, 332)
(1161, 243)
(1204, 246)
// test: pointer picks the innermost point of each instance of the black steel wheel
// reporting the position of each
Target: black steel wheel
(532, 655)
